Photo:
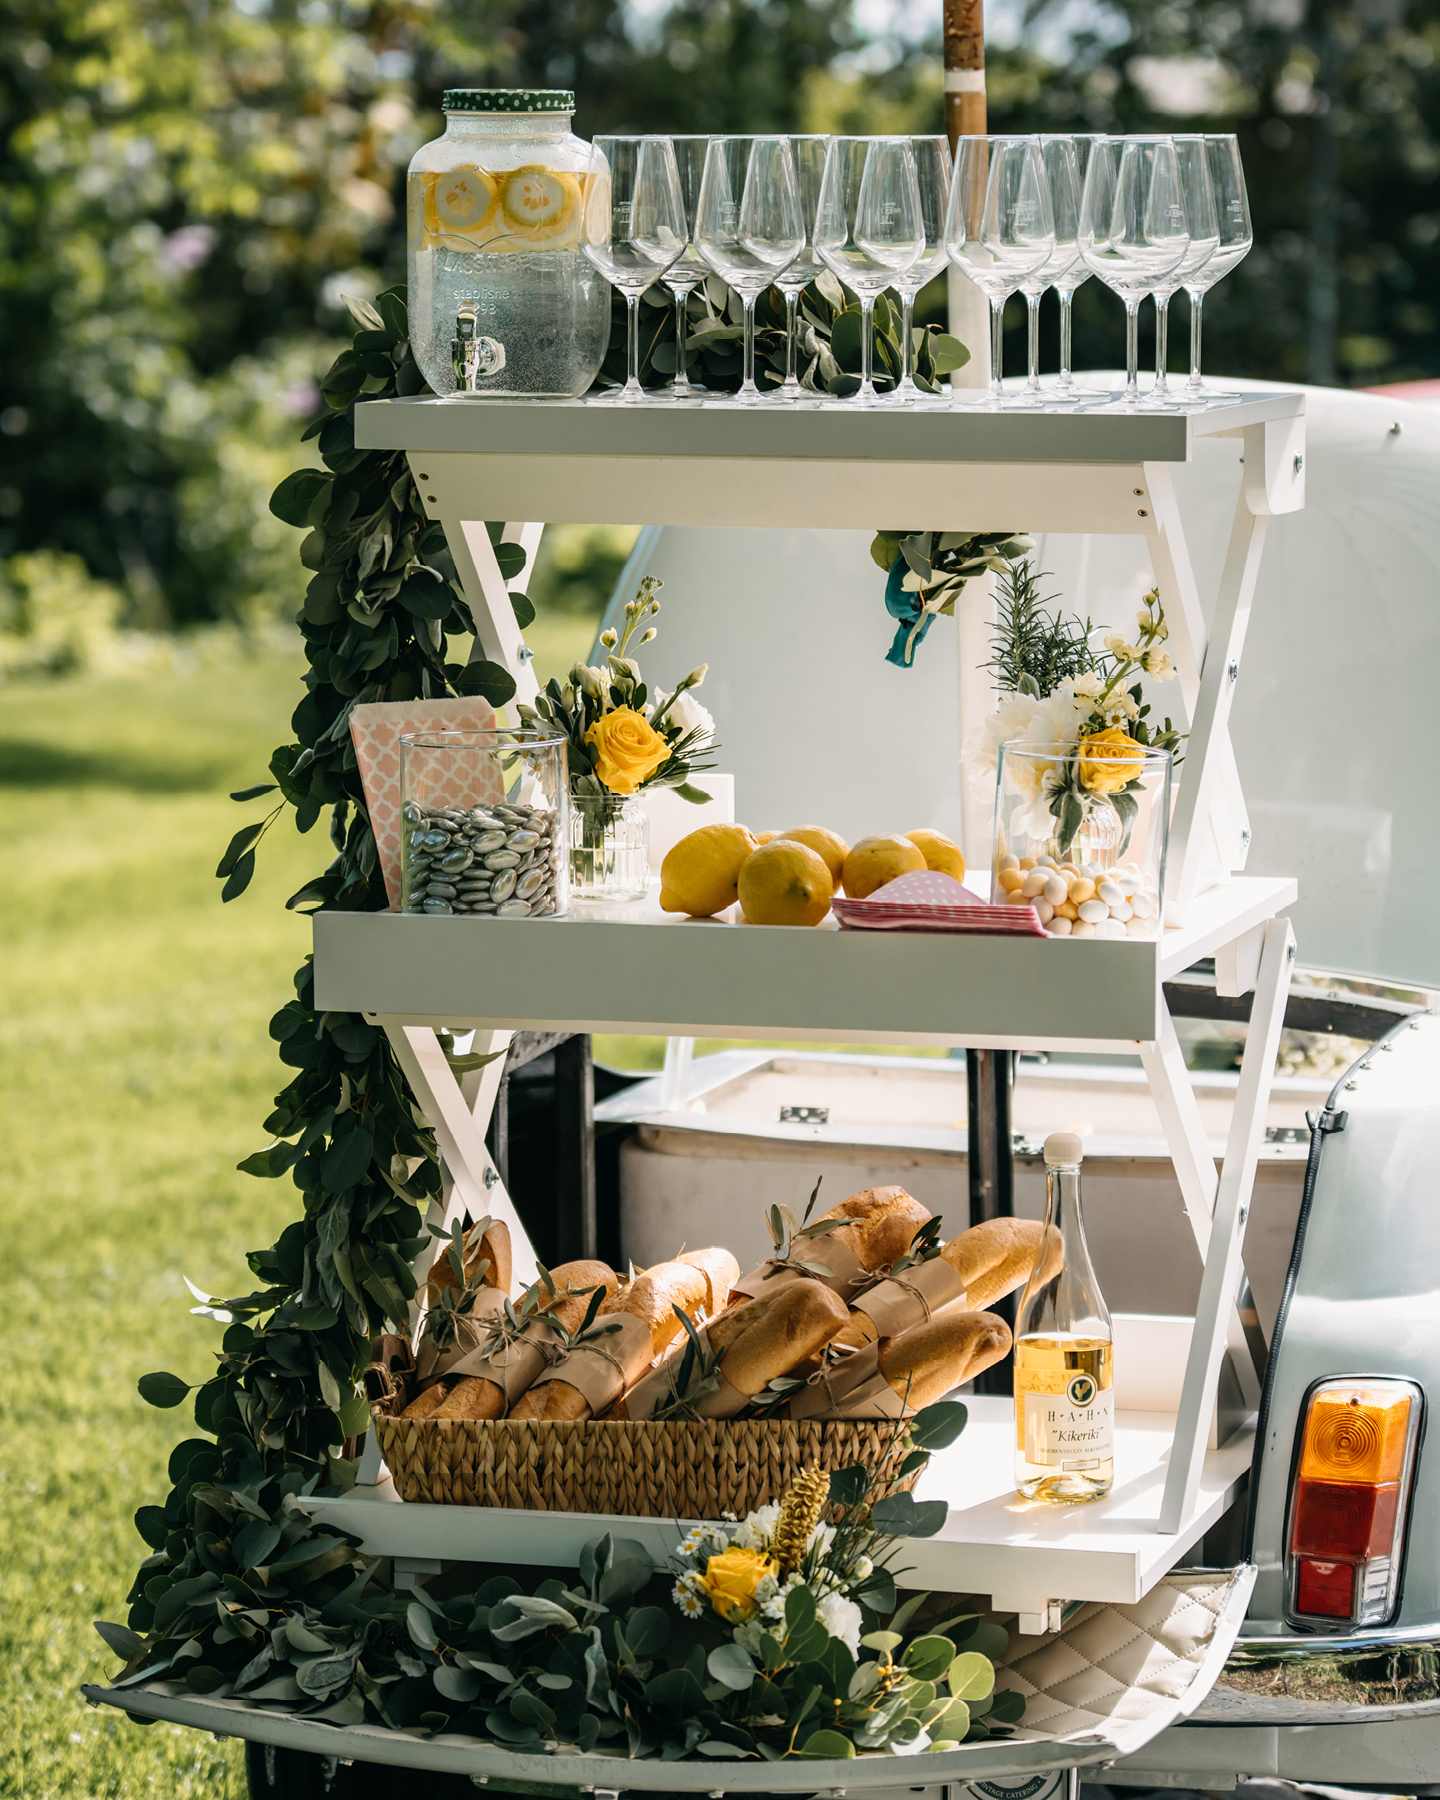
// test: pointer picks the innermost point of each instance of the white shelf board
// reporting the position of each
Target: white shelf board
(993, 1544)
(635, 969)
(826, 466)
(827, 430)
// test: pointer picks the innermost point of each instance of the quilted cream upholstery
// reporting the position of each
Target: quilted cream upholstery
(1113, 1670)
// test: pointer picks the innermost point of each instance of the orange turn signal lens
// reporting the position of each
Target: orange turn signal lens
(1357, 1433)
(1346, 1531)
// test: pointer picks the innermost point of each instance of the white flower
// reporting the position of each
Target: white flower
(687, 714)
(1087, 685)
(689, 1595)
(863, 1567)
(757, 1528)
(982, 747)
(842, 1619)
(1158, 664)
(1118, 647)
(824, 1536)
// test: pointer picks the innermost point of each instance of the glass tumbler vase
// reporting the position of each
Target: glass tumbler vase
(609, 848)
(486, 824)
(1081, 836)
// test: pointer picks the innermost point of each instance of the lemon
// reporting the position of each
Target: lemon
(540, 205)
(829, 846)
(459, 202)
(766, 837)
(875, 860)
(785, 883)
(699, 873)
(940, 852)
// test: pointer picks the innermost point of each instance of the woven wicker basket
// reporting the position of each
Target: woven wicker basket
(683, 1470)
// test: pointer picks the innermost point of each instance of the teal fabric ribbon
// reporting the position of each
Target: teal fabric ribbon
(905, 605)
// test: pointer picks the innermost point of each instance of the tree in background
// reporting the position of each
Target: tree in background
(187, 187)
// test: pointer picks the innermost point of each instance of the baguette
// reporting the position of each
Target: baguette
(880, 1223)
(989, 1260)
(497, 1380)
(898, 1375)
(589, 1378)
(427, 1401)
(754, 1341)
(489, 1241)
(928, 1360)
(721, 1272)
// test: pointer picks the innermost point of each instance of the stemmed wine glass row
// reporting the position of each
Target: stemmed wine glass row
(1018, 214)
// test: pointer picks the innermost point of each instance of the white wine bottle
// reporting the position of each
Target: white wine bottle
(1064, 1354)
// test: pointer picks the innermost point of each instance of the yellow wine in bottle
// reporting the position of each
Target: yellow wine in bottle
(1064, 1354)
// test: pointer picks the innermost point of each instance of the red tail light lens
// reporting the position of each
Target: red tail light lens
(1347, 1511)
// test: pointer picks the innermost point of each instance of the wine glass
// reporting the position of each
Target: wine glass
(808, 153)
(1133, 230)
(1074, 278)
(748, 226)
(1195, 185)
(1232, 217)
(688, 271)
(632, 226)
(1062, 183)
(868, 229)
(999, 229)
(932, 180)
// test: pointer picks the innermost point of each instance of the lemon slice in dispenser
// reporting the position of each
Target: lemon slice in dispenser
(540, 206)
(459, 203)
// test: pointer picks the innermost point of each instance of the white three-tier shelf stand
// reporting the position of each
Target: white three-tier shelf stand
(638, 970)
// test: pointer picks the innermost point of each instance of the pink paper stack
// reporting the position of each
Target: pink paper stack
(930, 901)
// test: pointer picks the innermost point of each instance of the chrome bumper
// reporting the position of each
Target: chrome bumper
(1365, 1677)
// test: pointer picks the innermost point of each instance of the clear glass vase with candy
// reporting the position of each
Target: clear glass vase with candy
(486, 824)
(1080, 835)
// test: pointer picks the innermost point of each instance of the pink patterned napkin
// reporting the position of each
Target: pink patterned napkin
(375, 731)
(929, 901)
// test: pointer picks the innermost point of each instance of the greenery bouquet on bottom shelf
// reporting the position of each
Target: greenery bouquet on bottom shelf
(774, 1636)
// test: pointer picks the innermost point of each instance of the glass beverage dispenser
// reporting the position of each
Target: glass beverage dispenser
(502, 302)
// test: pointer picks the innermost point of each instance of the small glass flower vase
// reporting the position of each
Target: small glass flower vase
(609, 848)
(1082, 838)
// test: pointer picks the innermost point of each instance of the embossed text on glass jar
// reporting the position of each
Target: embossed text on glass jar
(502, 302)
(486, 824)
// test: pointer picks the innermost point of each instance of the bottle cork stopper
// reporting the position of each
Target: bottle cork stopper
(1062, 1148)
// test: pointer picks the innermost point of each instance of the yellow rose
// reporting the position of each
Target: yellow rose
(1110, 759)
(629, 749)
(731, 1580)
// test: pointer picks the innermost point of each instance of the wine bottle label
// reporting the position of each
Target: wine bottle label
(1071, 1430)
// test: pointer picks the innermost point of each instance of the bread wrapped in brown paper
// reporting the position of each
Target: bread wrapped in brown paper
(973, 1270)
(878, 1226)
(488, 1242)
(590, 1377)
(898, 1375)
(497, 1376)
(754, 1342)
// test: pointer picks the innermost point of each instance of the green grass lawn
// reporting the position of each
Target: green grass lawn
(137, 1069)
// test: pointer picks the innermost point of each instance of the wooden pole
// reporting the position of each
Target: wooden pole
(964, 69)
(964, 56)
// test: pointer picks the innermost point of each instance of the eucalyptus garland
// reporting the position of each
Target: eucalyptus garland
(240, 1589)
(284, 1398)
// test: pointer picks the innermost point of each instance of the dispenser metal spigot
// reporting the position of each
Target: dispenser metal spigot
(471, 356)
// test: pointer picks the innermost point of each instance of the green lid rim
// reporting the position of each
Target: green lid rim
(508, 100)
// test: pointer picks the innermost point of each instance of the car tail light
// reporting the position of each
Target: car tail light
(1347, 1512)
